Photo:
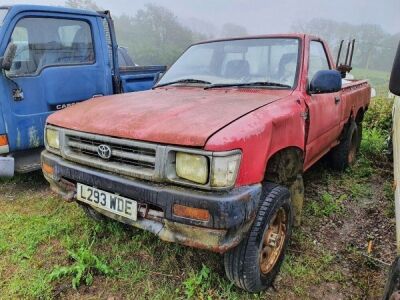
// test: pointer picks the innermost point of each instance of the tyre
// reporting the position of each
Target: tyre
(344, 154)
(255, 262)
(91, 213)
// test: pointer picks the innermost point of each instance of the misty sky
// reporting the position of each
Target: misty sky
(263, 16)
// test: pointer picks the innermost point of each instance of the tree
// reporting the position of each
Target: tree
(154, 35)
(232, 30)
(374, 49)
(82, 4)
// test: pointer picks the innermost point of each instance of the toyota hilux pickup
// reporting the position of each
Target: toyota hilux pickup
(52, 58)
(213, 156)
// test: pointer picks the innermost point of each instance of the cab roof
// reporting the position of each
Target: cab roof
(264, 36)
(17, 8)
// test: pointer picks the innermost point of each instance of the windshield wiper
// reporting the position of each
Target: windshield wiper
(188, 80)
(257, 83)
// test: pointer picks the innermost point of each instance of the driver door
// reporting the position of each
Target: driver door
(324, 109)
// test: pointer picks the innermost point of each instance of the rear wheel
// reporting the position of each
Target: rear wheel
(345, 154)
(255, 262)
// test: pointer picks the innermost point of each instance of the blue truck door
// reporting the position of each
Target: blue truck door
(61, 59)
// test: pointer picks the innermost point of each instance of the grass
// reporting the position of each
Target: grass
(85, 266)
(56, 248)
(50, 249)
(378, 79)
(327, 206)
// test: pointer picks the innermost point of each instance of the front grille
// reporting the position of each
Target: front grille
(131, 158)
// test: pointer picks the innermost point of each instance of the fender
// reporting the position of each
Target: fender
(261, 134)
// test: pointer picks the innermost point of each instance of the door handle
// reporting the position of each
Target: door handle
(337, 99)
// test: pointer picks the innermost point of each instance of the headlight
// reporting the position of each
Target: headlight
(192, 167)
(52, 138)
(224, 170)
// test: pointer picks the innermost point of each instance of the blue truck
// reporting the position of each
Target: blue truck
(52, 58)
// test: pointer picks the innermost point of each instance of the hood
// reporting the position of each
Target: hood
(176, 116)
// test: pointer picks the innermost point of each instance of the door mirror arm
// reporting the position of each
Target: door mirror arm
(8, 58)
(6, 63)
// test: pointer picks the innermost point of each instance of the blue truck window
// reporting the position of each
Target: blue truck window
(43, 42)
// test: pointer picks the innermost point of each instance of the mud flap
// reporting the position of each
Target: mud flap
(7, 165)
(297, 196)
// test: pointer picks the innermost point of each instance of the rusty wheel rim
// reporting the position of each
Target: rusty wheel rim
(273, 241)
(353, 149)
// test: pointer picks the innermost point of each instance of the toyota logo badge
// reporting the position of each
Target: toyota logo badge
(104, 151)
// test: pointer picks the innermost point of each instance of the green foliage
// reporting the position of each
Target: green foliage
(374, 49)
(379, 115)
(85, 266)
(154, 35)
(197, 284)
(377, 127)
(327, 205)
(379, 80)
(389, 196)
(374, 143)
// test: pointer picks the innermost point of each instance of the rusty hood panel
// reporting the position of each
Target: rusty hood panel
(177, 116)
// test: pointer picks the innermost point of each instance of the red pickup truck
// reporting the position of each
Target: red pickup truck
(213, 156)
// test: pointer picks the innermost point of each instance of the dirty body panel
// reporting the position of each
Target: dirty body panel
(210, 120)
(185, 112)
(229, 211)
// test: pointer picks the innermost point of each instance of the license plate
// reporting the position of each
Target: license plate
(110, 202)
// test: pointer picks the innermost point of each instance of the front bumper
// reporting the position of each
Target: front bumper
(7, 166)
(231, 213)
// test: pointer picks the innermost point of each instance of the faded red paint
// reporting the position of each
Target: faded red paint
(174, 115)
(260, 122)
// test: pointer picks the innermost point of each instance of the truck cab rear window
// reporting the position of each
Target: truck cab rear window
(43, 42)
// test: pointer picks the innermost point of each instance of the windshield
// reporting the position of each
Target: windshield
(267, 60)
(3, 13)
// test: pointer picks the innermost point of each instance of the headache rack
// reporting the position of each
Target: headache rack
(345, 67)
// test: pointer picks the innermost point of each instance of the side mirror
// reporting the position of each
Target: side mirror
(395, 78)
(8, 58)
(327, 81)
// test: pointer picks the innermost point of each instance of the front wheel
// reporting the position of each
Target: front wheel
(255, 262)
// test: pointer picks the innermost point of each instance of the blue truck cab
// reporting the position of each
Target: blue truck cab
(52, 58)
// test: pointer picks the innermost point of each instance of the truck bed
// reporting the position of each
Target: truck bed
(140, 78)
(354, 95)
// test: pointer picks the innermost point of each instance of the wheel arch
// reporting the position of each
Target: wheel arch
(283, 166)
(359, 117)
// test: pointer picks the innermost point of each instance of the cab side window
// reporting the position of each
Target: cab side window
(318, 59)
(43, 42)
